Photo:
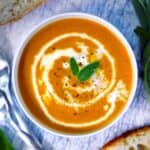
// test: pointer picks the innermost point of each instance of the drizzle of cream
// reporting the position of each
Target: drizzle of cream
(65, 65)
(47, 61)
(98, 84)
(50, 58)
(119, 93)
(106, 107)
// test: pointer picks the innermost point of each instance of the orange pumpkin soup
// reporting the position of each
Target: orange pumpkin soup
(54, 96)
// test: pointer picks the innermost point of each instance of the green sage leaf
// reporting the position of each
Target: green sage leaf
(4, 142)
(139, 6)
(86, 72)
(147, 77)
(146, 53)
(142, 33)
(74, 66)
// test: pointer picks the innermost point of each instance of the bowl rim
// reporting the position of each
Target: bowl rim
(41, 25)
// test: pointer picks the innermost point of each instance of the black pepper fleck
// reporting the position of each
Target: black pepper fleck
(75, 113)
(74, 85)
(65, 98)
(77, 95)
(80, 64)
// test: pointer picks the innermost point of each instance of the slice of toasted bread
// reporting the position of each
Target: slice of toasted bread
(134, 140)
(11, 10)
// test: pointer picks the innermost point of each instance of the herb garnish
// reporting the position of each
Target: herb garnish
(142, 8)
(74, 66)
(86, 72)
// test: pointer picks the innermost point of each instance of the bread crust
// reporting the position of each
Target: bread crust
(130, 133)
(23, 13)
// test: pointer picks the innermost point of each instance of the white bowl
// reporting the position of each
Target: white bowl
(51, 20)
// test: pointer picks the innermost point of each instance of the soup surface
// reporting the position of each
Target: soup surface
(54, 96)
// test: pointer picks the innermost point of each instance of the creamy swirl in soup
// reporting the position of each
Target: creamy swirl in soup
(54, 96)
